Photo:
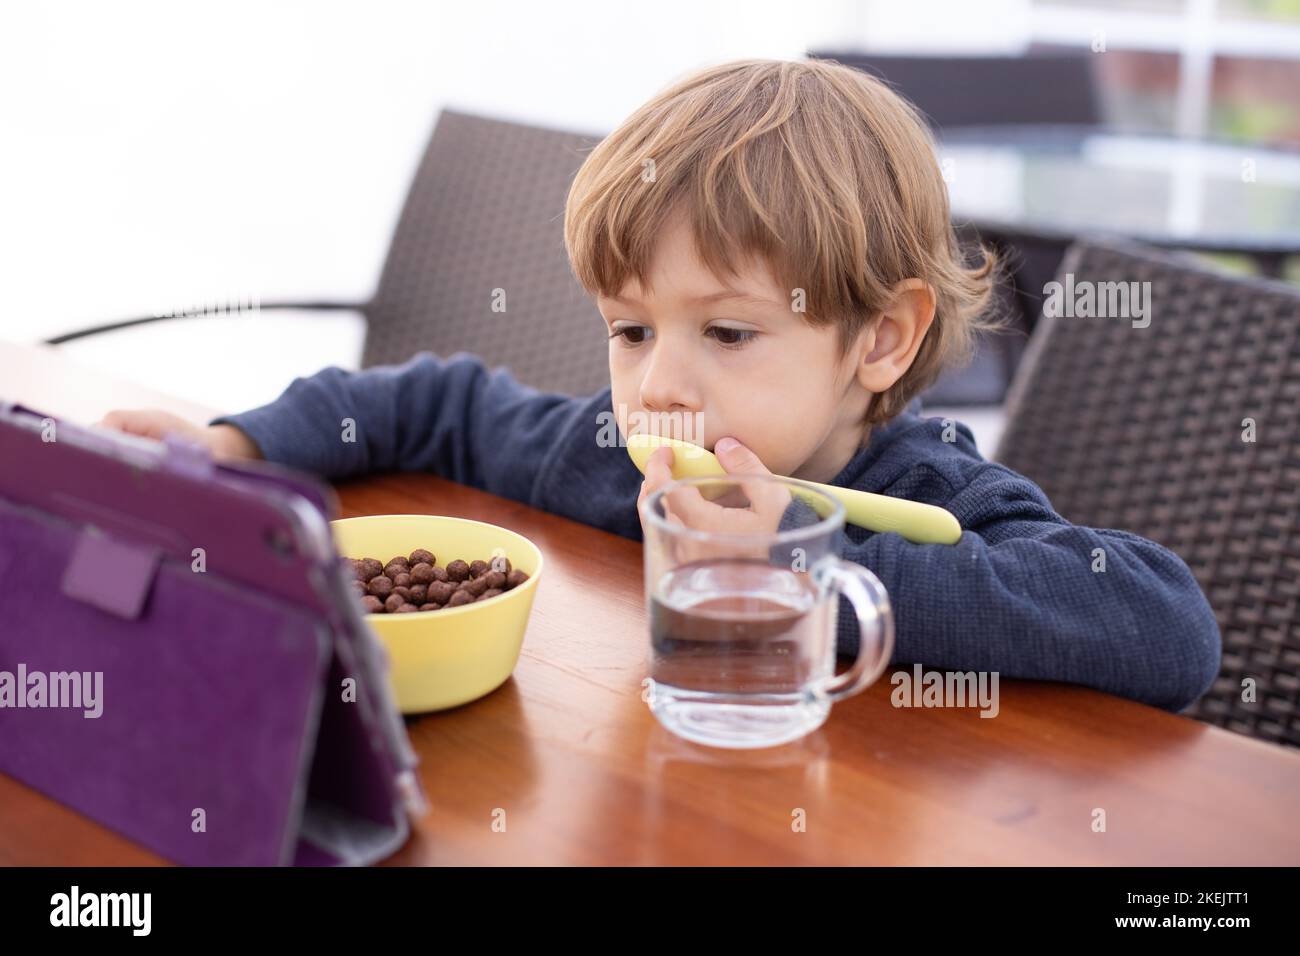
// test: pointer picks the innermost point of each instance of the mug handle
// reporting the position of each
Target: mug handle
(870, 601)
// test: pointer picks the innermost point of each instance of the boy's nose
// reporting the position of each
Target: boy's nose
(666, 387)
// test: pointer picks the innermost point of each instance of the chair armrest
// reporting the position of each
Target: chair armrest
(88, 331)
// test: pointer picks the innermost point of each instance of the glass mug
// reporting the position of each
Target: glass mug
(743, 624)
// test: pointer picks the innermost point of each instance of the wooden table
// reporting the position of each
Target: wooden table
(585, 775)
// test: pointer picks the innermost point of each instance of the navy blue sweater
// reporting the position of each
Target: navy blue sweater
(1016, 595)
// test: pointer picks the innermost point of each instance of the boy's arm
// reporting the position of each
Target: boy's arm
(1018, 594)
(451, 416)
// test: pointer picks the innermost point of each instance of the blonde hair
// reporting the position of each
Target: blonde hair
(819, 169)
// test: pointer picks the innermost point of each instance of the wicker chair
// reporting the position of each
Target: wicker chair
(1145, 430)
(486, 212)
(483, 213)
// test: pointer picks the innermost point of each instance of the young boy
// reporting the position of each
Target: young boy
(769, 244)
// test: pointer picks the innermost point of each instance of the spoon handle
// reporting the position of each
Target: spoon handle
(917, 522)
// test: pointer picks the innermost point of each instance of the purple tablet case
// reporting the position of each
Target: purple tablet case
(244, 714)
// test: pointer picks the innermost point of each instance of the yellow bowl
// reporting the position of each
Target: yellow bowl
(443, 658)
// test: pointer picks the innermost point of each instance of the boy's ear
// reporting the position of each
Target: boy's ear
(889, 346)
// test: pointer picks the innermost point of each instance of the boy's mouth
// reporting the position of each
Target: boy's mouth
(675, 434)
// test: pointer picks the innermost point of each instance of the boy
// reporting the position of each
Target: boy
(770, 247)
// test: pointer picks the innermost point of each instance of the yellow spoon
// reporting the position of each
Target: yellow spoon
(921, 523)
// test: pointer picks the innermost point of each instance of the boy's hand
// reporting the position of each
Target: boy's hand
(658, 472)
(767, 502)
(224, 441)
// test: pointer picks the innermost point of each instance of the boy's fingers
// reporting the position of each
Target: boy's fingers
(111, 419)
(691, 506)
(737, 460)
(149, 423)
(659, 468)
(128, 420)
(121, 421)
(658, 472)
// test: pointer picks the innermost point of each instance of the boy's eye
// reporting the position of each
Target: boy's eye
(731, 338)
(627, 338)
(726, 337)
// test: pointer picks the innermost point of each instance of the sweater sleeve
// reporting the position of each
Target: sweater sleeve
(450, 416)
(1029, 595)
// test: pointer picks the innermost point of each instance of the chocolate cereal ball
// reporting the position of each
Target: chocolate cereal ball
(440, 592)
(407, 584)
(475, 586)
